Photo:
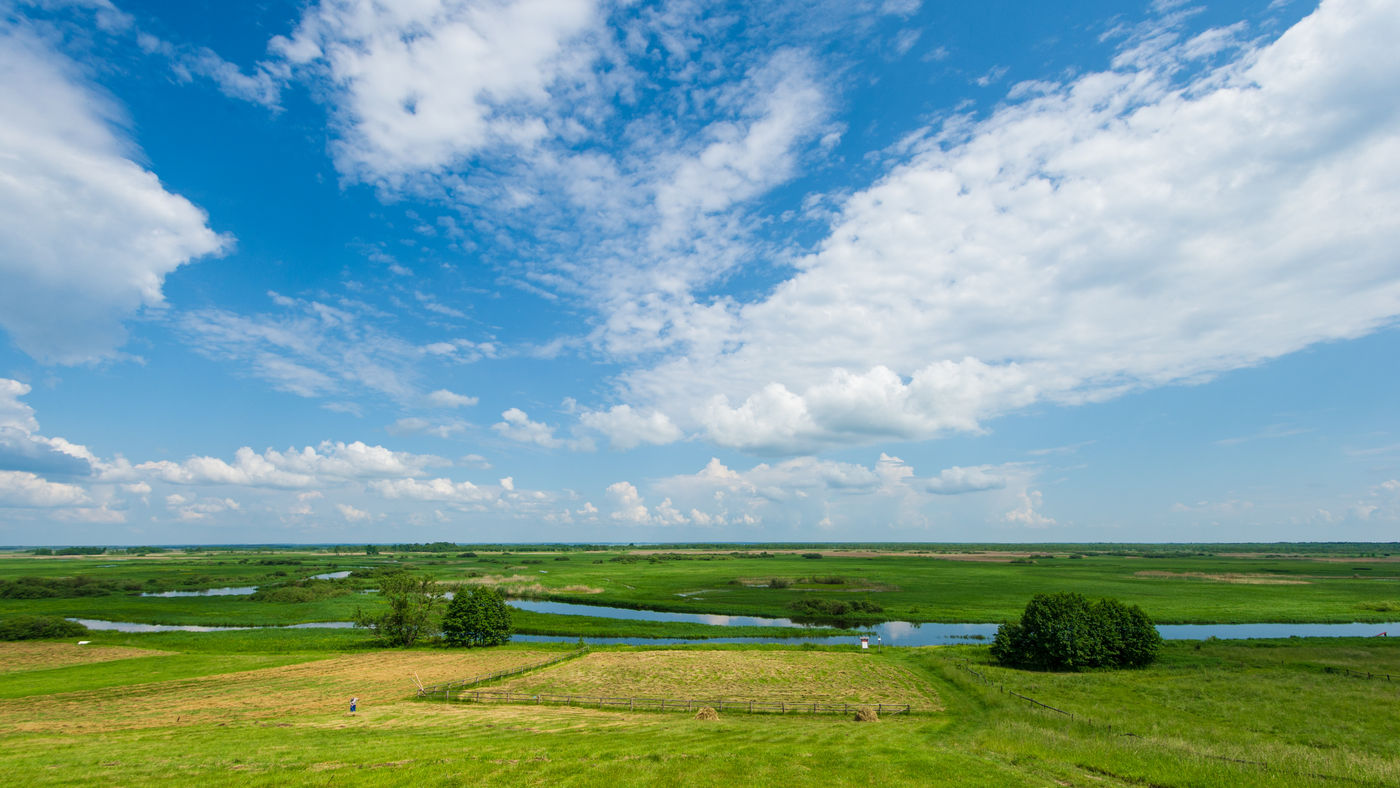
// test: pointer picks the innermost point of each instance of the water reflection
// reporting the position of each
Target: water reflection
(226, 591)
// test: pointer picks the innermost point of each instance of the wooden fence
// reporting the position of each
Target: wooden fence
(671, 704)
(446, 687)
(1358, 673)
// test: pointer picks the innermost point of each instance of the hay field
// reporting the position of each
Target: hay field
(738, 675)
(322, 686)
(39, 655)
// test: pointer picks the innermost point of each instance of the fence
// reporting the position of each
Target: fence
(1002, 688)
(671, 704)
(446, 687)
(1358, 673)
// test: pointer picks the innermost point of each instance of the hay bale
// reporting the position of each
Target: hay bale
(866, 714)
(706, 713)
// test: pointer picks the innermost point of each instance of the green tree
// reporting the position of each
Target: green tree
(1065, 632)
(477, 617)
(411, 602)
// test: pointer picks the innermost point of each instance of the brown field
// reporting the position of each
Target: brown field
(1243, 579)
(733, 675)
(319, 687)
(15, 657)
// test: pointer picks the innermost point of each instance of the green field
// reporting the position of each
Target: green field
(1217, 713)
(1234, 584)
(268, 707)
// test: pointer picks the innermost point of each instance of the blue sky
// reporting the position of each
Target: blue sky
(577, 270)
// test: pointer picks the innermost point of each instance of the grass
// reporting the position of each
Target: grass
(1250, 713)
(1174, 587)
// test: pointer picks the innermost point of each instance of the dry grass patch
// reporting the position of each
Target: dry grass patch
(821, 677)
(319, 687)
(1241, 579)
(17, 657)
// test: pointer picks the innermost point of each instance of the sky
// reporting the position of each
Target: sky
(337, 271)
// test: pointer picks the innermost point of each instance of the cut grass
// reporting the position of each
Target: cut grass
(797, 676)
(44, 655)
(319, 687)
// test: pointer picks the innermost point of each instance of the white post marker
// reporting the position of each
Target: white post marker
(865, 641)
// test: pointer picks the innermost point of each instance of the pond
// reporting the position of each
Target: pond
(127, 626)
(226, 591)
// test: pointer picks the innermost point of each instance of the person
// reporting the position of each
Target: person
(353, 701)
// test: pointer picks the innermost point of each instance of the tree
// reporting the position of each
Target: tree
(1065, 632)
(411, 602)
(477, 617)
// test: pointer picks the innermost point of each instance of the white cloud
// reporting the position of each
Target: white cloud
(1126, 229)
(21, 489)
(87, 236)
(22, 448)
(328, 463)
(956, 480)
(517, 426)
(441, 429)
(353, 515)
(201, 509)
(442, 398)
(433, 490)
(420, 86)
(627, 504)
(1027, 513)
(316, 349)
(627, 428)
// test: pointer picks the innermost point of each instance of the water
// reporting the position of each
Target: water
(226, 591)
(127, 626)
(907, 633)
(332, 575)
(892, 633)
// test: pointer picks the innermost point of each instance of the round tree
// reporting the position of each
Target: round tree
(477, 616)
(1065, 632)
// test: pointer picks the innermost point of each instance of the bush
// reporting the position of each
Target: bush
(40, 627)
(1065, 632)
(477, 617)
(811, 555)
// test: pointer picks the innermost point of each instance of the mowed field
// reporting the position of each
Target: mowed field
(790, 676)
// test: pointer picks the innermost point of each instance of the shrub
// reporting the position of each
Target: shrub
(1065, 632)
(40, 627)
(811, 555)
(779, 582)
(477, 617)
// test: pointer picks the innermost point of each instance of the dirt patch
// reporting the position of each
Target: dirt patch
(1241, 579)
(16, 657)
(319, 687)
(820, 677)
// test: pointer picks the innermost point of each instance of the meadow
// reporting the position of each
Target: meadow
(269, 706)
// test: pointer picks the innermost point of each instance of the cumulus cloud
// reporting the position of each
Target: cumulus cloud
(1155, 223)
(22, 448)
(21, 489)
(955, 480)
(353, 515)
(627, 428)
(87, 235)
(517, 426)
(327, 464)
(420, 86)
